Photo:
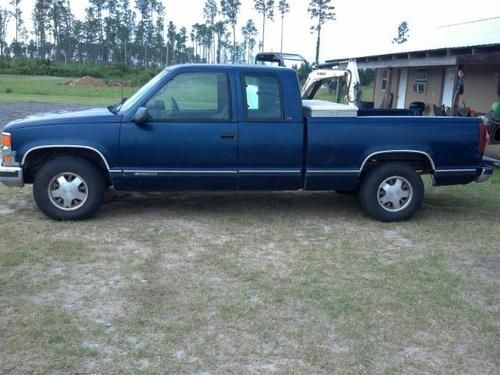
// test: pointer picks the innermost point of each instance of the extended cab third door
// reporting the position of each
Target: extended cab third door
(271, 130)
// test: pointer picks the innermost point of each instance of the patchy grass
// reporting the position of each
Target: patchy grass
(324, 93)
(44, 89)
(252, 283)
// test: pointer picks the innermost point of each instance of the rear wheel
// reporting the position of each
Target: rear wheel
(68, 188)
(392, 192)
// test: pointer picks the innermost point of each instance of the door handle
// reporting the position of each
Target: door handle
(227, 136)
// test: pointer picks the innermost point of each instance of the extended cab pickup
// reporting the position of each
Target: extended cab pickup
(230, 127)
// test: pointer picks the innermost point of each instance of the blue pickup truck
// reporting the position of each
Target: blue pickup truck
(230, 127)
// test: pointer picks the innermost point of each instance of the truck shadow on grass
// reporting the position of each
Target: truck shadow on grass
(281, 204)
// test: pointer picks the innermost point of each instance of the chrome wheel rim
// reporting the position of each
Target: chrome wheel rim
(394, 194)
(68, 191)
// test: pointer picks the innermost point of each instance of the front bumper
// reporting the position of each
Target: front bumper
(11, 176)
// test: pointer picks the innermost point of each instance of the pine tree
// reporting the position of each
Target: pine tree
(91, 35)
(231, 9)
(220, 31)
(171, 41)
(67, 38)
(249, 31)
(403, 31)
(283, 8)
(98, 8)
(41, 26)
(18, 19)
(209, 13)
(4, 21)
(126, 28)
(266, 8)
(322, 11)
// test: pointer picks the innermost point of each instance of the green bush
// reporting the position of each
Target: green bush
(8, 90)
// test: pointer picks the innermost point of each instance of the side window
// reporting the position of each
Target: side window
(263, 97)
(384, 80)
(192, 96)
(420, 81)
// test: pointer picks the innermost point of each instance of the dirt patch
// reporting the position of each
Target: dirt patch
(4, 210)
(397, 239)
(96, 82)
(87, 81)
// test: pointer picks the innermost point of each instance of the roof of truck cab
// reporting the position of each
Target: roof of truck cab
(247, 67)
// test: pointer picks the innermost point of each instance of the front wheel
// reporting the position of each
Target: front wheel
(68, 188)
(392, 192)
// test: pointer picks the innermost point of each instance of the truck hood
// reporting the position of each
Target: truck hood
(94, 115)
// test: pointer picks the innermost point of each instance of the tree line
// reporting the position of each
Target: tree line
(136, 32)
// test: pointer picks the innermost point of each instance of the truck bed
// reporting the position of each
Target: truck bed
(337, 147)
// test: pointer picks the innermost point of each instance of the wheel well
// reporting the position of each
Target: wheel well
(36, 158)
(421, 162)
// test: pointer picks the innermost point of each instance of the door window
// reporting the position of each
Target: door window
(192, 97)
(262, 97)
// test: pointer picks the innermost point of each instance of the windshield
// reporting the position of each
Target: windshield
(140, 93)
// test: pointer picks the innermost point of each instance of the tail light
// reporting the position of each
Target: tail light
(484, 137)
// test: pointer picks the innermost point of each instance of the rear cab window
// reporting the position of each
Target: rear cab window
(262, 98)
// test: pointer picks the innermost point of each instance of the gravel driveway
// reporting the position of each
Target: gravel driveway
(9, 112)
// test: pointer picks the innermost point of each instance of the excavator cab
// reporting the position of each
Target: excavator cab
(337, 83)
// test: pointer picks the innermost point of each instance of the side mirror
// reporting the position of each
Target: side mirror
(141, 116)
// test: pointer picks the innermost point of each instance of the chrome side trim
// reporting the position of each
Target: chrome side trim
(66, 146)
(179, 171)
(455, 170)
(212, 171)
(270, 171)
(332, 171)
(400, 151)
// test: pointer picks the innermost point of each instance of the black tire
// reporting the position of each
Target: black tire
(384, 206)
(92, 188)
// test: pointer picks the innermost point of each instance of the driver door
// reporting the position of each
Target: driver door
(190, 140)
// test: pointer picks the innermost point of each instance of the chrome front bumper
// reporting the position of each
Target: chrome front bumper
(11, 176)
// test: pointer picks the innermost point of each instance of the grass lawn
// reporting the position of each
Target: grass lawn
(252, 283)
(42, 89)
(324, 94)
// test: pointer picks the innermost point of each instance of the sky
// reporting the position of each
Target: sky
(361, 26)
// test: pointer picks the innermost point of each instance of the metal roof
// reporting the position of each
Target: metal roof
(477, 33)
